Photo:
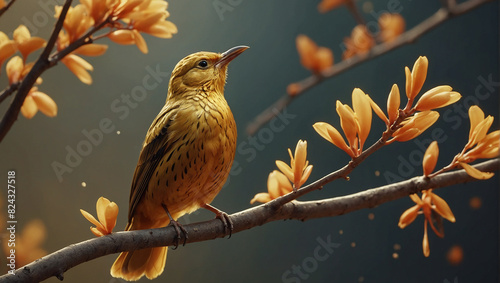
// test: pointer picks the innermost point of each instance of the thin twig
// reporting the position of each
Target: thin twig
(8, 91)
(405, 38)
(60, 261)
(40, 66)
(4, 9)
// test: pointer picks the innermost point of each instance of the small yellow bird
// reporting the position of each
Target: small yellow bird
(185, 158)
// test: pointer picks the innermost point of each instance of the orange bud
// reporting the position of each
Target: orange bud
(347, 121)
(363, 112)
(306, 48)
(437, 97)
(391, 26)
(430, 158)
(418, 75)
(393, 102)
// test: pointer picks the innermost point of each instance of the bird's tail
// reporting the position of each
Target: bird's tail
(131, 266)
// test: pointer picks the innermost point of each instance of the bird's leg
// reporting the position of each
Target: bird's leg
(228, 223)
(178, 228)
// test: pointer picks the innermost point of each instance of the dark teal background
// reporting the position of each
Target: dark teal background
(462, 52)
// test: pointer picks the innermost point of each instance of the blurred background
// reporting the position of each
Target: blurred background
(369, 246)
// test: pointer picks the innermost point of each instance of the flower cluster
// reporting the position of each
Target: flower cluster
(127, 19)
(480, 146)
(432, 207)
(296, 174)
(107, 212)
(402, 124)
(17, 69)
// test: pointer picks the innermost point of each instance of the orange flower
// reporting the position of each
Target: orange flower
(28, 243)
(107, 212)
(142, 16)
(25, 43)
(437, 97)
(99, 9)
(313, 57)
(356, 124)
(7, 47)
(277, 185)
(480, 145)
(77, 21)
(360, 42)
(393, 103)
(413, 126)
(37, 100)
(430, 158)
(328, 5)
(416, 78)
(429, 203)
(299, 170)
(391, 26)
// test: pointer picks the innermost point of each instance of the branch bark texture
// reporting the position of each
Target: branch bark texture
(60, 261)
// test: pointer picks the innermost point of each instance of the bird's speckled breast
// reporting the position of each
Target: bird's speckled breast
(196, 167)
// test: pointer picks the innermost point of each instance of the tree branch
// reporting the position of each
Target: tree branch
(4, 9)
(40, 66)
(405, 38)
(60, 261)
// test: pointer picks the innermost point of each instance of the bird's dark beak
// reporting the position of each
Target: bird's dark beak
(229, 55)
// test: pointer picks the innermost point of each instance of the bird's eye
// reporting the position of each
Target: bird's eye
(203, 64)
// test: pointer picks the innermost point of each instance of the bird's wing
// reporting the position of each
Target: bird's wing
(156, 144)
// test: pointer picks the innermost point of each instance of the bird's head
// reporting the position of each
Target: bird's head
(202, 69)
